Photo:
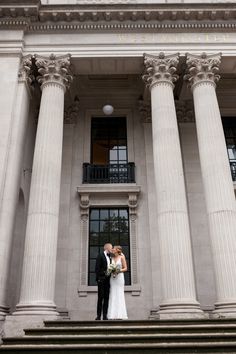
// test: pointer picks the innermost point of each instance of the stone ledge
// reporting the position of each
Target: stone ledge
(84, 290)
(109, 189)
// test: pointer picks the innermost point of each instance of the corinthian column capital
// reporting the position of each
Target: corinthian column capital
(160, 69)
(54, 70)
(203, 68)
(25, 72)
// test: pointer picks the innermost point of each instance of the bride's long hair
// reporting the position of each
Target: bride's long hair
(119, 250)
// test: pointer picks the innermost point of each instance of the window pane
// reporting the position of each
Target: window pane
(123, 225)
(113, 213)
(92, 279)
(100, 152)
(229, 124)
(113, 144)
(92, 264)
(94, 214)
(93, 251)
(232, 152)
(124, 239)
(94, 239)
(104, 238)
(123, 155)
(104, 214)
(127, 278)
(107, 134)
(123, 213)
(114, 224)
(126, 251)
(94, 226)
(115, 239)
(104, 226)
(113, 155)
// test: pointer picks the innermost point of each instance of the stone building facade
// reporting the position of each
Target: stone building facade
(156, 175)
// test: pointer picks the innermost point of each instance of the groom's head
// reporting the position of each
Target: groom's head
(108, 247)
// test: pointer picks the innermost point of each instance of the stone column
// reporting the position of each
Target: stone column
(219, 193)
(38, 278)
(178, 285)
(13, 173)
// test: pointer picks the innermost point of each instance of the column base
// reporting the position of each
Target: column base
(2, 321)
(4, 311)
(224, 310)
(178, 311)
(41, 309)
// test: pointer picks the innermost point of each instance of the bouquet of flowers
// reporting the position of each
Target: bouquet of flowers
(113, 269)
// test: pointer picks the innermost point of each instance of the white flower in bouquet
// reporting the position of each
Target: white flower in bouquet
(113, 269)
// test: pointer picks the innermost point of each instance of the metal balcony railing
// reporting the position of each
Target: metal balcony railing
(112, 173)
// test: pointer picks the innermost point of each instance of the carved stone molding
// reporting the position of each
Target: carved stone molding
(19, 13)
(203, 68)
(132, 204)
(130, 12)
(84, 206)
(145, 110)
(108, 195)
(160, 69)
(25, 73)
(71, 112)
(34, 16)
(123, 26)
(54, 70)
(185, 111)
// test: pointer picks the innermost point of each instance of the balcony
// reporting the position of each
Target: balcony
(112, 173)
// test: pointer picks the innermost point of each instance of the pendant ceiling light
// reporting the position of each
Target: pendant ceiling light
(108, 109)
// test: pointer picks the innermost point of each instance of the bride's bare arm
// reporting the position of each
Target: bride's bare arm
(124, 264)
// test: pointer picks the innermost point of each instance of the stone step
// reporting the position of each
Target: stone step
(119, 338)
(126, 337)
(160, 323)
(120, 328)
(133, 348)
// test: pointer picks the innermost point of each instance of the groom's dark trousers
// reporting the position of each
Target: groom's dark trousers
(103, 282)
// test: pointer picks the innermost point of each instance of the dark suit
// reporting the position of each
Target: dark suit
(103, 282)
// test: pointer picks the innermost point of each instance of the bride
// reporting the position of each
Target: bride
(117, 307)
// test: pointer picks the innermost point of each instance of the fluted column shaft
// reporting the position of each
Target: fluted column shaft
(178, 285)
(38, 279)
(217, 180)
(12, 178)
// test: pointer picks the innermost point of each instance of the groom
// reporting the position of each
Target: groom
(103, 281)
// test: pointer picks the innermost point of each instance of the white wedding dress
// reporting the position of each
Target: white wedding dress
(117, 307)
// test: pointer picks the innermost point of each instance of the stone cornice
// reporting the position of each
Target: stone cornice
(37, 17)
(131, 26)
(18, 13)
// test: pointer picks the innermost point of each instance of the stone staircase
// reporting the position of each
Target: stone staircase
(126, 337)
